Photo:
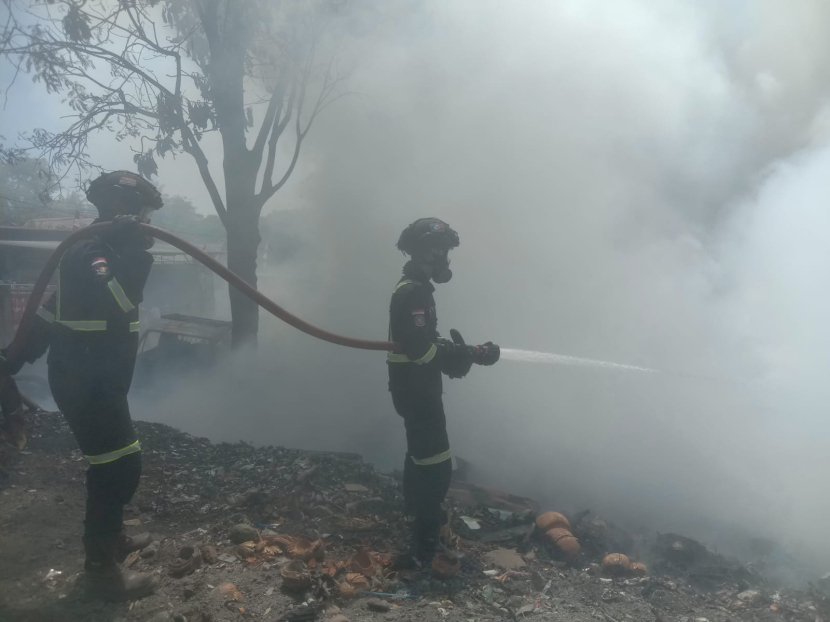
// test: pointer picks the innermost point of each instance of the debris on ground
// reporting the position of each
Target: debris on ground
(243, 532)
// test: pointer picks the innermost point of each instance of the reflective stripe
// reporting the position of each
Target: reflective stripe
(135, 327)
(84, 324)
(58, 293)
(426, 358)
(402, 283)
(120, 296)
(114, 455)
(46, 314)
(394, 357)
(436, 459)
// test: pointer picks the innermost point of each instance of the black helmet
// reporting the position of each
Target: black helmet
(133, 189)
(429, 240)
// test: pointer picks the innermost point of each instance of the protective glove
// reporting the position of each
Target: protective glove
(457, 356)
(126, 229)
(487, 354)
(7, 367)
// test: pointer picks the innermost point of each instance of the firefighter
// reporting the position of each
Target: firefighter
(415, 381)
(90, 326)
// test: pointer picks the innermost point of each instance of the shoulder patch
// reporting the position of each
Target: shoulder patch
(100, 266)
(419, 317)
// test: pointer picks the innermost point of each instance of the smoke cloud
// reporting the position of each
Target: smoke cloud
(632, 181)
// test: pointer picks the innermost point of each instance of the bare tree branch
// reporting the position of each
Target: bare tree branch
(272, 114)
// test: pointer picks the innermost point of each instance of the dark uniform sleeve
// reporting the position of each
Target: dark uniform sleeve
(125, 281)
(132, 273)
(415, 335)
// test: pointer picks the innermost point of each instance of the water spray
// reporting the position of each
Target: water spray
(547, 358)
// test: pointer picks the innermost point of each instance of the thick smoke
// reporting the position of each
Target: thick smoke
(632, 181)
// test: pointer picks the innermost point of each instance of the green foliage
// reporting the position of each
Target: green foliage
(179, 216)
(25, 194)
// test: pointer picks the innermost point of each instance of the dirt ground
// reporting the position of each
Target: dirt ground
(194, 493)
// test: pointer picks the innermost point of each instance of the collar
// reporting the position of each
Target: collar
(411, 270)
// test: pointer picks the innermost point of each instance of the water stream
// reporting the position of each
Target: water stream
(546, 358)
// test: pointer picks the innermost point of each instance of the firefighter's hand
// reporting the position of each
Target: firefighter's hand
(126, 229)
(7, 367)
(457, 356)
(487, 354)
(126, 225)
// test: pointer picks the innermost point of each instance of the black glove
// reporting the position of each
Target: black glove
(127, 231)
(487, 354)
(126, 224)
(456, 356)
(7, 367)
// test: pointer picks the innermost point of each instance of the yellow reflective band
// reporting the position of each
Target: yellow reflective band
(402, 283)
(135, 327)
(58, 293)
(84, 324)
(436, 459)
(392, 357)
(426, 358)
(120, 296)
(114, 455)
(46, 315)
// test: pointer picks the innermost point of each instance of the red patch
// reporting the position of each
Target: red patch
(100, 266)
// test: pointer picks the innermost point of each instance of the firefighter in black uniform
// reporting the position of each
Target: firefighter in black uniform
(416, 384)
(90, 326)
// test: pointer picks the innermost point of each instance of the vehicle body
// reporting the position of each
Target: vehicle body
(176, 345)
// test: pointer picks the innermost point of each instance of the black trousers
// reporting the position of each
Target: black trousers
(424, 485)
(93, 400)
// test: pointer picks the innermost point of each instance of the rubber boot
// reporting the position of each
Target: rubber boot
(409, 558)
(429, 540)
(104, 578)
(128, 544)
(421, 544)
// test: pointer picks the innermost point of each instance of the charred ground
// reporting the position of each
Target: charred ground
(196, 498)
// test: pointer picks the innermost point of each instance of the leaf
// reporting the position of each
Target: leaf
(146, 165)
(76, 25)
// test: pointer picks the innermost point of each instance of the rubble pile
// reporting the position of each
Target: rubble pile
(269, 533)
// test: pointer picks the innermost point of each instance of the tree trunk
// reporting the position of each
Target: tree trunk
(229, 44)
(243, 241)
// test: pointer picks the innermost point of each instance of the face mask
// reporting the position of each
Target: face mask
(440, 262)
(145, 214)
(441, 275)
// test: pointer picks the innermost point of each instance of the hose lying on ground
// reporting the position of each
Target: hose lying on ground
(246, 288)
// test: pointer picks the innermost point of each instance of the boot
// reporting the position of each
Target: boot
(128, 544)
(104, 577)
(409, 559)
(421, 544)
(429, 540)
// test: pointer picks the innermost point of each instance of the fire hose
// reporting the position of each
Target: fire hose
(222, 271)
(11, 400)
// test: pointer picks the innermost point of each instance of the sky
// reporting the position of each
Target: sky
(633, 181)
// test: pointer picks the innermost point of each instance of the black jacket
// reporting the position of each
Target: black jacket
(92, 318)
(414, 324)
